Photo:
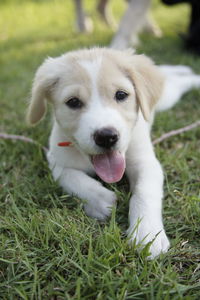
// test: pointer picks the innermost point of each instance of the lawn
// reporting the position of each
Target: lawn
(49, 249)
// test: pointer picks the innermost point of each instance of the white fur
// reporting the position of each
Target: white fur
(98, 115)
(179, 80)
(146, 180)
(72, 166)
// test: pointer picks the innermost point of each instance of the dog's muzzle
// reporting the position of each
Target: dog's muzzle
(106, 137)
(110, 164)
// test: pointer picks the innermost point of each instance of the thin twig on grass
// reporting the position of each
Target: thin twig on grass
(156, 141)
(176, 132)
(21, 138)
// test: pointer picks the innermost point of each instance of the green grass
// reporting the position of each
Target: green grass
(49, 249)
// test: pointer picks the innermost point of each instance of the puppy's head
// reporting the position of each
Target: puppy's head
(96, 95)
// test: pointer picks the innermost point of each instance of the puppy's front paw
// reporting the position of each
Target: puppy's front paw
(160, 245)
(144, 233)
(100, 206)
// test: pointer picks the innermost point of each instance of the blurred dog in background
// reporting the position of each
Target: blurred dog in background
(84, 23)
(192, 38)
(135, 18)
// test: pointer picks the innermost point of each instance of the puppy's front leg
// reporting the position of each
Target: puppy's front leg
(98, 200)
(145, 213)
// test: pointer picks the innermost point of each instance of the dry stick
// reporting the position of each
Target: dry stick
(156, 141)
(21, 138)
(176, 132)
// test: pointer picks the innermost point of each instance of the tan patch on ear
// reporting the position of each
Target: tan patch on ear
(37, 106)
(148, 82)
(43, 84)
(147, 79)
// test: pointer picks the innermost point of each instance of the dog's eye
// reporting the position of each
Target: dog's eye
(74, 103)
(121, 95)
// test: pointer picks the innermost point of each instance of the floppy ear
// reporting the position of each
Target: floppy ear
(44, 81)
(148, 82)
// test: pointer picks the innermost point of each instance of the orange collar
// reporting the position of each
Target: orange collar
(65, 144)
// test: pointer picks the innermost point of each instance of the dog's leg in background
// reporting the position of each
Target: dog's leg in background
(80, 16)
(131, 22)
(146, 182)
(98, 200)
(105, 12)
(150, 26)
(84, 24)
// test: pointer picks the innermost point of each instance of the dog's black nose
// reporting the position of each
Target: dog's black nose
(106, 137)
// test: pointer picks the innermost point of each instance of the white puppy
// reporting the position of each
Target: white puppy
(103, 102)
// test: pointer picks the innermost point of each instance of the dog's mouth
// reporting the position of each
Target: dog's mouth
(109, 166)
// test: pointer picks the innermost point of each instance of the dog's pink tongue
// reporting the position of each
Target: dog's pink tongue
(109, 166)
